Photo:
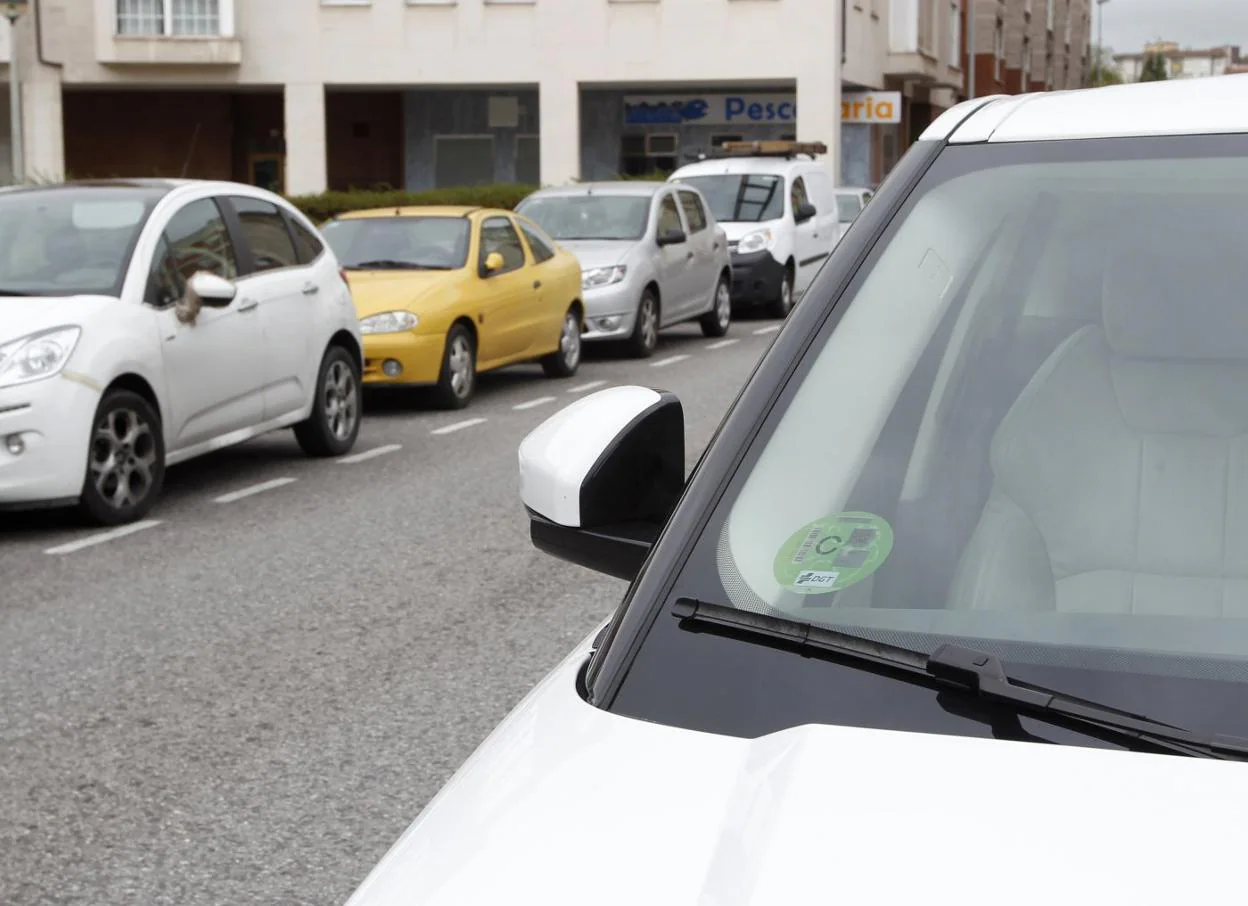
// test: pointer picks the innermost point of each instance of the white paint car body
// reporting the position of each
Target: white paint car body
(567, 802)
(237, 372)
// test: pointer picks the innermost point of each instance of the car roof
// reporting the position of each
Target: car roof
(418, 210)
(775, 166)
(1217, 104)
(640, 187)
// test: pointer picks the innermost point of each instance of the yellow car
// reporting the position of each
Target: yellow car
(444, 293)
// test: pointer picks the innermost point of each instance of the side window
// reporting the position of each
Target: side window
(669, 217)
(198, 241)
(264, 230)
(797, 194)
(541, 248)
(307, 243)
(165, 285)
(694, 212)
(498, 235)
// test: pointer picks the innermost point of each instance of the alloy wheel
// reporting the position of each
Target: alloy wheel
(123, 458)
(570, 341)
(460, 366)
(341, 401)
(649, 324)
(723, 305)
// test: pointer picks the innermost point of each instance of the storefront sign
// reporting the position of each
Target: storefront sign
(871, 107)
(709, 109)
(737, 109)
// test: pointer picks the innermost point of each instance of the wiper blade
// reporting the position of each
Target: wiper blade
(967, 669)
(394, 264)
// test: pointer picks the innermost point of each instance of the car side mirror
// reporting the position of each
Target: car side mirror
(204, 290)
(674, 236)
(494, 263)
(804, 212)
(600, 478)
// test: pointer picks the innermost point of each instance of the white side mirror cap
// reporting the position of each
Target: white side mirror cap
(609, 457)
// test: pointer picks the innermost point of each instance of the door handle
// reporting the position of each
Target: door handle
(247, 305)
(311, 289)
(537, 284)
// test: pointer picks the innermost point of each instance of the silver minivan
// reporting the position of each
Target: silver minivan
(651, 256)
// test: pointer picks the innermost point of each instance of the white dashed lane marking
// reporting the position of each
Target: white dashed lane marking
(458, 426)
(722, 343)
(670, 360)
(370, 454)
(532, 404)
(590, 386)
(102, 537)
(762, 330)
(254, 489)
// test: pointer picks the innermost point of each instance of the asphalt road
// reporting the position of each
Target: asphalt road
(248, 698)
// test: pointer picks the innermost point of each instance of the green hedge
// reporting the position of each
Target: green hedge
(322, 207)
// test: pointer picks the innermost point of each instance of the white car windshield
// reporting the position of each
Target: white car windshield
(70, 240)
(847, 207)
(1029, 422)
(589, 217)
(741, 197)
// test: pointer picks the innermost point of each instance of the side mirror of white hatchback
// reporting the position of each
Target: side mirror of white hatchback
(600, 478)
(213, 291)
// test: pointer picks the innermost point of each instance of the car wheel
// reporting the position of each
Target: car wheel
(458, 378)
(125, 460)
(783, 303)
(646, 329)
(715, 322)
(564, 361)
(334, 423)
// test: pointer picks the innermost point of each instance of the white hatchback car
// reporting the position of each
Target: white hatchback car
(145, 322)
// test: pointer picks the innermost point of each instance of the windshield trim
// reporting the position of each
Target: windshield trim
(755, 414)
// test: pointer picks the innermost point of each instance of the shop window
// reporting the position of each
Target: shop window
(528, 160)
(463, 160)
(647, 154)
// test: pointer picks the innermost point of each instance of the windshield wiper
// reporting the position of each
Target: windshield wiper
(395, 265)
(967, 669)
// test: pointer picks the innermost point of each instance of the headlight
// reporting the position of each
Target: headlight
(757, 241)
(37, 356)
(602, 276)
(389, 322)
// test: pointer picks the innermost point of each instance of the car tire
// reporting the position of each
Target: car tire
(125, 460)
(645, 335)
(783, 303)
(565, 360)
(457, 381)
(715, 322)
(334, 423)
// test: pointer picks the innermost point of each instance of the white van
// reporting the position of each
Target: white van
(777, 205)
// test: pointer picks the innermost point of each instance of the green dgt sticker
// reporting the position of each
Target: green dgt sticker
(833, 553)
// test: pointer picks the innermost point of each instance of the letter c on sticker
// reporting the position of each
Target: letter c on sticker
(836, 540)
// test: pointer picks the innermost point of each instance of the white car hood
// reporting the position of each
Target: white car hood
(594, 253)
(22, 316)
(567, 805)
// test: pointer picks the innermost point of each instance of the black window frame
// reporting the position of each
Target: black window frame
(481, 252)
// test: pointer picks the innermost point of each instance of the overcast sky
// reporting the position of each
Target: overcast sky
(1129, 24)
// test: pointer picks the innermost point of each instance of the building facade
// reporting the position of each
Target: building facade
(1182, 63)
(1019, 46)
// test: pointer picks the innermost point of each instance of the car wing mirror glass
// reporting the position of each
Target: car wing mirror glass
(600, 478)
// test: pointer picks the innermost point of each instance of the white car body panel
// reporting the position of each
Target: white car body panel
(565, 804)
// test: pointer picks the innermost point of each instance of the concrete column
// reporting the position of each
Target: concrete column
(819, 111)
(43, 127)
(559, 126)
(306, 162)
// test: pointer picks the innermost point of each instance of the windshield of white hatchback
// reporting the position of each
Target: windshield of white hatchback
(69, 240)
(1031, 422)
(569, 218)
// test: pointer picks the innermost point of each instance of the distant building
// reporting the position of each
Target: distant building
(1183, 63)
(1027, 45)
